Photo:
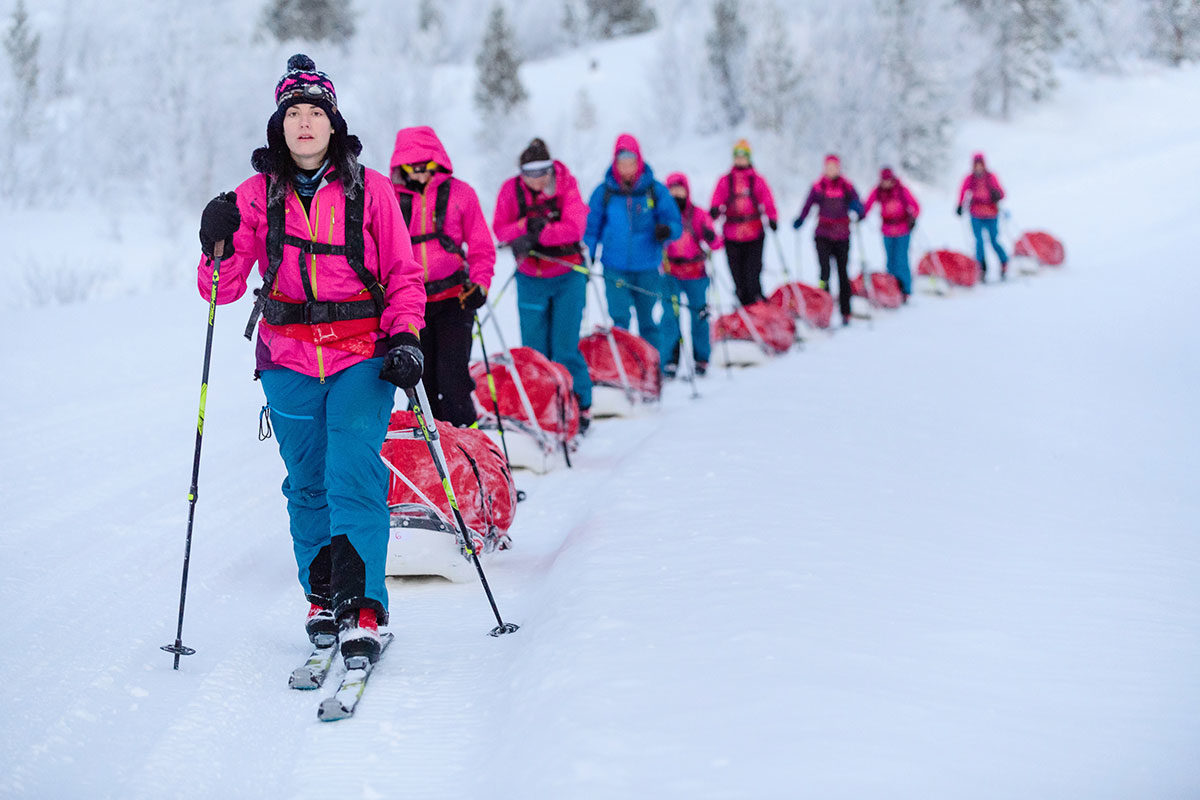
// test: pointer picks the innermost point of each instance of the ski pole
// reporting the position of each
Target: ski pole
(868, 289)
(796, 294)
(429, 432)
(541, 435)
(491, 382)
(620, 283)
(685, 346)
(178, 647)
(613, 350)
(712, 282)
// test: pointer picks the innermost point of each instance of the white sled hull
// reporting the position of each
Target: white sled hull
(416, 551)
(737, 353)
(525, 452)
(609, 401)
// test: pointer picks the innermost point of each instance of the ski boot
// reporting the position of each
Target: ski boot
(669, 371)
(845, 320)
(1004, 271)
(320, 626)
(701, 368)
(585, 420)
(358, 631)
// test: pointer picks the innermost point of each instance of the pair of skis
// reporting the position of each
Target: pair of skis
(312, 675)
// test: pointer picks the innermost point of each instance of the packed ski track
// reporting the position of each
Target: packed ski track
(947, 554)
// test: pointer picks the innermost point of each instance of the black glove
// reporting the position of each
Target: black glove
(521, 246)
(473, 296)
(404, 361)
(535, 226)
(773, 225)
(710, 235)
(218, 223)
(995, 195)
(714, 212)
(797, 222)
(662, 232)
(958, 210)
(912, 222)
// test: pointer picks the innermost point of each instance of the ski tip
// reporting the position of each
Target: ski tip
(332, 710)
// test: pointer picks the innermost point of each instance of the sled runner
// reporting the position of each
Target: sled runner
(814, 305)
(538, 408)
(752, 334)
(947, 269)
(625, 371)
(423, 539)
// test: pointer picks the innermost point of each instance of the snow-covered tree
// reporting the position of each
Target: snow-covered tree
(1174, 29)
(917, 104)
(309, 20)
(775, 94)
(498, 87)
(574, 22)
(21, 45)
(726, 46)
(609, 19)
(1020, 38)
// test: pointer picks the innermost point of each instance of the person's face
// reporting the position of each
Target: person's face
(832, 169)
(887, 183)
(307, 129)
(741, 161)
(537, 180)
(627, 169)
(979, 168)
(678, 192)
(421, 173)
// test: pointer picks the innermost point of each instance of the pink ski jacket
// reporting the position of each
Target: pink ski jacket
(985, 191)
(320, 350)
(742, 196)
(897, 207)
(465, 224)
(684, 256)
(561, 205)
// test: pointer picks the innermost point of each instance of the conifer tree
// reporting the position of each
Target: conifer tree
(498, 88)
(1175, 30)
(726, 44)
(309, 20)
(21, 46)
(1021, 38)
(775, 93)
(612, 18)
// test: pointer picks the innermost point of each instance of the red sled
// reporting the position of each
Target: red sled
(625, 371)
(425, 539)
(1042, 247)
(753, 333)
(885, 290)
(538, 407)
(801, 300)
(957, 269)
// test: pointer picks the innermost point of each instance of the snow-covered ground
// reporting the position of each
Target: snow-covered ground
(949, 555)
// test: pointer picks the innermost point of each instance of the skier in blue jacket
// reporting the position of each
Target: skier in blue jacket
(631, 217)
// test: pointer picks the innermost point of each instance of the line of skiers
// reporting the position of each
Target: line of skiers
(372, 282)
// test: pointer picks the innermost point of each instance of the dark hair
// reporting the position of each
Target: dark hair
(275, 160)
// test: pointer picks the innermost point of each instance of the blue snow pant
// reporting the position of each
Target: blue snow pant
(978, 226)
(896, 248)
(696, 291)
(551, 312)
(330, 434)
(623, 301)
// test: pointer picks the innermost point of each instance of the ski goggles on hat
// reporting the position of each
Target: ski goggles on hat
(537, 169)
(419, 169)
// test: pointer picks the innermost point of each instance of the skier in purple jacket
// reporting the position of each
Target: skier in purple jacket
(835, 198)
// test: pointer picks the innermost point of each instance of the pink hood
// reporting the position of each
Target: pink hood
(414, 145)
(626, 141)
(680, 179)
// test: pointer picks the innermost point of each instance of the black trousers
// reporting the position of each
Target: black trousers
(745, 265)
(835, 250)
(446, 342)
